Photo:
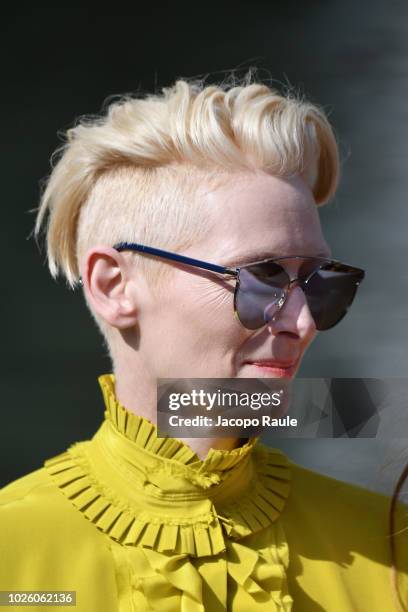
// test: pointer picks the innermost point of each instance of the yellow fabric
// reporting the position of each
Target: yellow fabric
(136, 523)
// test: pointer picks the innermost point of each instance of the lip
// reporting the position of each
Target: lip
(278, 369)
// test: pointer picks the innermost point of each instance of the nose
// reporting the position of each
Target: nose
(294, 316)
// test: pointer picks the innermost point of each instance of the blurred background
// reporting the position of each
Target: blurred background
(350, 58)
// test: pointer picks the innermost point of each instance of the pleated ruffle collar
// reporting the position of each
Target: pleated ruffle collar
(156, 492)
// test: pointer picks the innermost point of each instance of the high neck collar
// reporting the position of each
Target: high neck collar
(144, 490)
(144, 434)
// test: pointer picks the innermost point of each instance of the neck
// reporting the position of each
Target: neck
(138, 394)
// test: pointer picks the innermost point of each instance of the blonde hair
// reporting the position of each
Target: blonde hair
(133, 173)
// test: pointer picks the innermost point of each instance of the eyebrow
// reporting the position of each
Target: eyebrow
(261, 255)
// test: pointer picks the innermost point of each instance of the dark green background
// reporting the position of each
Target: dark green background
(350, 57)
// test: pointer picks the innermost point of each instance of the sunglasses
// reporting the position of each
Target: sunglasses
(262, 287)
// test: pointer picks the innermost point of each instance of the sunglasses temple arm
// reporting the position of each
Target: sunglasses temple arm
(189, 261)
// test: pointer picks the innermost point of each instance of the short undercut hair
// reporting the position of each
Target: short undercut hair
(133, 173)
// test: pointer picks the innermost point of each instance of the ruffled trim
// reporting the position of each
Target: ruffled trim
(140, 430)
(116, 481)
(121, 522)
(262, 574)
(249, 576)
(266, 497)
(198, 535)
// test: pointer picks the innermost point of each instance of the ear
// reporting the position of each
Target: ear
(106, 281)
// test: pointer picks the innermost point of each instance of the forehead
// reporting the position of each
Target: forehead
(262, 213)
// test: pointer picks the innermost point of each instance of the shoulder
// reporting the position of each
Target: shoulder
(338, 535)
(47, 544)
(19, 489)
(325, 510)
(311, 489)
(348, 525)
(341, 508)
(319, 489)
(328, 518)
(24, 498)
(34, 510)
(34, 501)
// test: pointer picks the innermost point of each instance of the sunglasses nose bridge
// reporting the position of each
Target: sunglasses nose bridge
(294, 282)
(299, 283)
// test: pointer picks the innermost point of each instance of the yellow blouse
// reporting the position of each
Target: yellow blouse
(132, 522)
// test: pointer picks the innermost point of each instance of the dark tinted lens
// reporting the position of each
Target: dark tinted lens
(259, 294)
(330, 292)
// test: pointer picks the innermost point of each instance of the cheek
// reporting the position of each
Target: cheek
(200, 312)
(211, 307)
(197, 331)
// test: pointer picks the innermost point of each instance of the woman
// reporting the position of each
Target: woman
(226, 176)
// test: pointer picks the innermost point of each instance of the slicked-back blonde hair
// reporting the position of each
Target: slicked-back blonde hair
(133, 173)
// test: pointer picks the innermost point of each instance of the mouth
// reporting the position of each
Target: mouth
(275, 369)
